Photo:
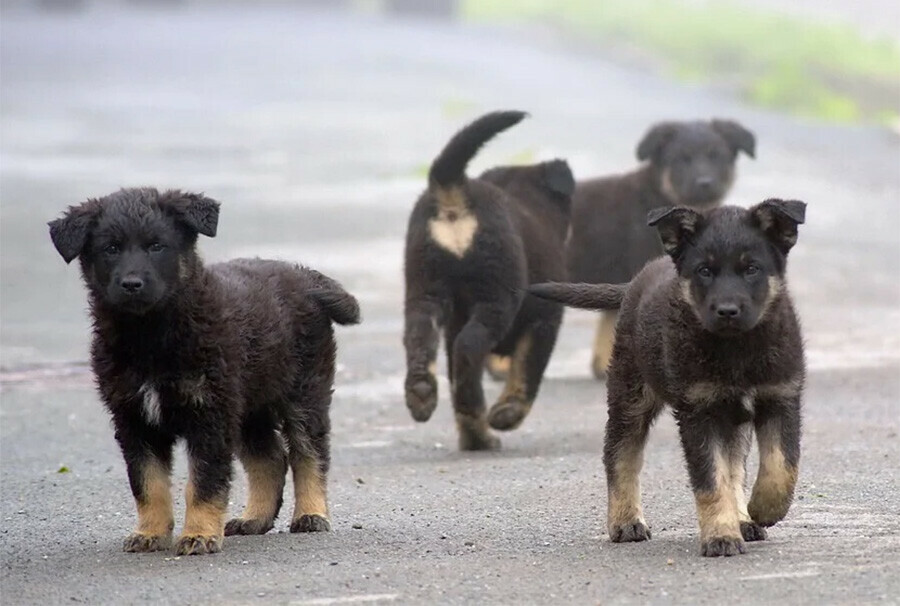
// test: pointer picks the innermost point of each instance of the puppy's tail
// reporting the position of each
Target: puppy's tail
(585, 296)
(341, 306)
(449, 167)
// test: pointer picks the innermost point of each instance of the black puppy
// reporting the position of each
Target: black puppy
(472, 247)
(227, 357)
(712, 332)
(687, 164)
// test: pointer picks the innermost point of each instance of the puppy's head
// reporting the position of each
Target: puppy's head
(731, 261)
(552, 180)
(694, 162)
(135, 246)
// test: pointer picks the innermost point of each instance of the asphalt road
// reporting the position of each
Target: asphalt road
(313, 130)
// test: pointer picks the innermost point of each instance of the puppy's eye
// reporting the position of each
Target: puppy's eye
(156, 247)
(704, 272)
(112, 249)
(751, 270)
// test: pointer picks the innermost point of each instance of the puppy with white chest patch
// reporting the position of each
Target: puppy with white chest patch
(711, 331)
(234, 358)
(472, 247)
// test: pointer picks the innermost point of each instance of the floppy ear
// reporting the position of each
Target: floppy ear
(70, 232)
(196, 211)
(778, 219)
(677, 226)
(737, 137)
(655, 139)
(558, 177)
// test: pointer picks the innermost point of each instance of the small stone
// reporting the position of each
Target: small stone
(357, 526)
(670, 562)
(360, 481)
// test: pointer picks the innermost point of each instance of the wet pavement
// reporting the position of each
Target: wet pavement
(314, 130)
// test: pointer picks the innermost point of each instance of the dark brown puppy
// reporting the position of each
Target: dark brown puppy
(713, 334)
(687, 164)
(472, 247)
(227, 357)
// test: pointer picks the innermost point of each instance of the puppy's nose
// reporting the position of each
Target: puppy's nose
(132, 284)
(704, 182)
(728, 310)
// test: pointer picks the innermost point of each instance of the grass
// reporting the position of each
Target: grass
(825, 71)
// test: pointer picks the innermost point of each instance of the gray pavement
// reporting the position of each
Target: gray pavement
(313, 129)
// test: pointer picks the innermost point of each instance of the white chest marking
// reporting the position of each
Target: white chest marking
(456, 235)
(151, 404)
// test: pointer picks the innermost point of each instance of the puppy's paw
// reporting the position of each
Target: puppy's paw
(768, 511)
(137, 542)
(474, 434)
(508, 415)
(751, 531)
(311, 523)
(198, 544)
(629, 533)
(421, 397)
(722, 546)
(242, 526)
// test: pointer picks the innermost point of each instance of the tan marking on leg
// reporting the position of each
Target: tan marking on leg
(604, 339)
(718, 509)
(432, 368)
(624, 495)
(454, 227)
(775, 482)
(738, 464)
(155, 517)
(309, 488)
(265, 479)
(499, 365)
(475, 433)
(203, 518)
(513, 405)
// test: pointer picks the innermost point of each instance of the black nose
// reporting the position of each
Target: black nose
(132, 284)
(728, 310)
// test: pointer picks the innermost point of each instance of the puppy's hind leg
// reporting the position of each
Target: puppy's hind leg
(632, 409)
(476, 339)
(529, 361)
(422, 319)
(603, 343)
(263, 457)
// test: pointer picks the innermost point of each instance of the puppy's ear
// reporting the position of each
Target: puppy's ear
(655, 140)
(558, 177)
(737, 137)
(70, 232)
(196, 211)
(778, 219)
(676, 226)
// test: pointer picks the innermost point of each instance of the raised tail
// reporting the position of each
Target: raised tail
(449, 167)
(341, 306)
(585, 296)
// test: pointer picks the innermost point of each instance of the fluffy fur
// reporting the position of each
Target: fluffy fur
(711, 331)
(235, 358)
(472, 247)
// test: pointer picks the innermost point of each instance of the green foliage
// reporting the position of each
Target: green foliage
(808, 68)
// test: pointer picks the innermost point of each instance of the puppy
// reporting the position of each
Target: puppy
(711, 331)
(687, 164)
(472, 247)
(236, 358)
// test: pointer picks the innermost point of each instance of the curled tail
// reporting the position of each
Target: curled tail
(585, 296)
(449, 167)
(341, 306)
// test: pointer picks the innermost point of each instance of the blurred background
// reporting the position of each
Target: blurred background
(314, 123)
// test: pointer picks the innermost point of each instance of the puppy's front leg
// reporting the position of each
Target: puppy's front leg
(707, 442)
(148, 457)
(420, 338)
(778, 434)
(206, 496)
